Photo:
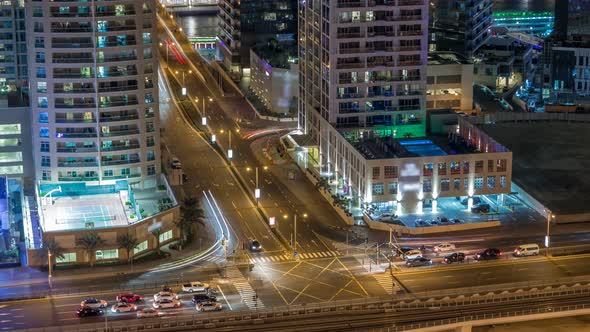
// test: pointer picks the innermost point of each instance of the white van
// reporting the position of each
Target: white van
(195, 287)
(526, 250)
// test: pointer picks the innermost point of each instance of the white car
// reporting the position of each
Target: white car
(209, 306)
(386, 217)
(148, 312)
(123, 307)
(166, 304)
(165, 296)
(443, 247)
(94, 303)
(412, 254)
(195, 286)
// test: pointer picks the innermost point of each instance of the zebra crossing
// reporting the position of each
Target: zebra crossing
(249, 296)
(385, 280)
(286, 258)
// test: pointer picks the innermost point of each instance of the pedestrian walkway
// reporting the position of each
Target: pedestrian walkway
(385, 280)
(286, 258)
(248, 294)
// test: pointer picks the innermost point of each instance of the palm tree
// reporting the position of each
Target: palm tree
(89, 242)
(51, 247)
(192, 214)
(156, 233)
(128, 242)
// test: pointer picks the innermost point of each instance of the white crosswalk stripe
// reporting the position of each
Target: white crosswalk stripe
(243, 287)
(386, 281)
(286, 258)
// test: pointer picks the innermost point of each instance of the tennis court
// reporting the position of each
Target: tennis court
(85, 212)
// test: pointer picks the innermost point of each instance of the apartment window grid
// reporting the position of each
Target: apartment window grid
(390, 172)
(165, 236)
(478, 183)
(456, 184)
(378, 189)
(376, 172)
(392, 187)
(491, 182)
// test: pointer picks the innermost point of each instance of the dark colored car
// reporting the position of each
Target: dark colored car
(167, 289)
(88, 312)
(130, 298)
(487, 254)
(400, 251)
(476, 200)
(203, 298)
(457, 221)
(454, 257)
(255, 245)
(420, 261)
(481, 208)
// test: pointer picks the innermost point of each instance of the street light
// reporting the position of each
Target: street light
(257, 191)
(204, 115)
(50, 268)
(167, 51)
(295, 232)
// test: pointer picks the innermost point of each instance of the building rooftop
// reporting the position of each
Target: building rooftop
(550, 161)
(429, 146)
(280, 55)
(446, 58)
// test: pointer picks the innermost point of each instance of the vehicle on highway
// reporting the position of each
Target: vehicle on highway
(209, 306)
(167, 288)
(481, 208)
(476, 200)
(400, 251)
(88, 312)
(420, 261)
(148, 312)
(444, 220)
(414, 253)
(254, 245)
(203, 298)
(123, 307)
(487, 254)
(422, 223)
(165, 296)
(166, 304)
(445, 246)
(435, 222)
(386, 217)
(176, 163)
(195, 286)
(457, 221)
(94, 303)
(454, 257)
(129, 297)
(526, 250)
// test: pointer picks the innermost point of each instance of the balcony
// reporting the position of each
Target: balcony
(77, 150)
(77, 164)
(381, 63)
(118, 177)
(380, 109)
(116, 27)
(117, 103)
(374, 3)
(77, 178)
(381, 33)
(410, 2)
(410, 33)
(350, 4)
(116, 118)
(72, 45)
(106, 13)
(72, 75)
(120, 147)
(405, 18)
(71, 30)
(350, 35)
(410, 63)
(74, 120)
(380, 93)
(75, 135)
(117, 73)
(120, 133)
(117, 88)
(72, 60)
(116, 58)
(75, 105)
(119, 162)
(350, 65)
(349, 96)
(74, 90)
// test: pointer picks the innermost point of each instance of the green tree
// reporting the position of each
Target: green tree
(156, 233)
(191, 215)
(89, 242)
(51, 247)
(128, 242)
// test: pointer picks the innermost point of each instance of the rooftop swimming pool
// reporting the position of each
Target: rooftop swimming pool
(423, 148)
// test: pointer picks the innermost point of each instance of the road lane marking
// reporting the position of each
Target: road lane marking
(226, 301)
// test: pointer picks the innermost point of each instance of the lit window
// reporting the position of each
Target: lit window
(68, 257)
(140, 247)
(107, 254)
(478, 183)
(392, 188)
(11, 169)
(378, 189)
(10, 157)
(165, 236)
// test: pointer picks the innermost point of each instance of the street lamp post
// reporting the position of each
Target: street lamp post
(230, 152)
(295, 236)
(50, 269)
(204, 115)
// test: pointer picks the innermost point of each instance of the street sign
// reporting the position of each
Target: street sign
(204, 121)
(184, 91)
(230, 153)
(257, 193)
(272, 222)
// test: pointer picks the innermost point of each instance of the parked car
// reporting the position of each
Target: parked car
(435, 222)
(195, 286)
(443, 247)
(454, 257)
(148, 312)
(165, 296)
(166, 304)
(94, 303)
(203, 298)
(88, 311)
(254, 245)
(208, 306)
(487, 254)
(129, 297)
(123, 307)
(422, 223)
(481, 208)
(386, 217)
(457, 221)
(526, 250)
(166, 288)
(415, 253)
(444, 220)
(400, 251)
(420, 261)
(176, 163)
(476, 200)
